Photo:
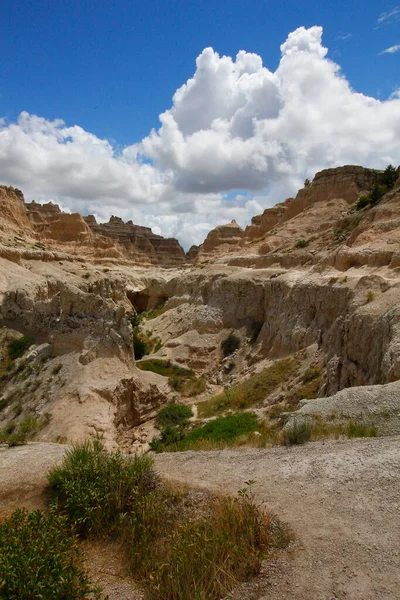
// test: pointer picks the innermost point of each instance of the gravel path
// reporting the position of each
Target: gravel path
(342, 500)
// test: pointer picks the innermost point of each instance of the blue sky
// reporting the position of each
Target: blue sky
(112, 68)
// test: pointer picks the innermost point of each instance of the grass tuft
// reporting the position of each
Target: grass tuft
(251, 391)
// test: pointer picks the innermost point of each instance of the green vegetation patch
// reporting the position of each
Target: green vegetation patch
(18, 347)
(39, 559)
(94, 487)
(220, 432)
(182, 556)
(164, 367)
(302, 243)
(173, 415)
(319, 429)
(17, 434)
(177, 549)
(230, 344)
(250, 392)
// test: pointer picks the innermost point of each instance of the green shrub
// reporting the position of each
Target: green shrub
(377, 192)
(370, 296)
(298, 433)
(56, 369)
(389, 176)
(139, 347)
(94, 487)
(311, 373)
(180, 379)
(363, 201)
(18, 347)
(374, 196)
(39, 559)
(173, 415)
(224, 429)
(230, 344)
(301, 243)
(170, 436)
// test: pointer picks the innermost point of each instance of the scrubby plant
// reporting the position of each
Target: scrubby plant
(173, 415)
(18, 347)
(301, 243)
(205, 557)
(370, 296)
(353, 429)
(298, 433)
(40, 559)
(180, 379)
(94, 487)
(18, 434)
(230, 344)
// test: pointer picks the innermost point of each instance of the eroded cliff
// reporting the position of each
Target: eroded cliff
(312, 279)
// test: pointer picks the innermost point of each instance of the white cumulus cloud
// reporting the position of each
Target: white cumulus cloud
(237, 138)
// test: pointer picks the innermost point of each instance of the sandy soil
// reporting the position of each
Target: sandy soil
(342, 500)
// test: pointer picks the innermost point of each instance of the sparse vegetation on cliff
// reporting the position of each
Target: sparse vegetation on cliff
(387, 179)
(18, 347)
(230, 344)
(251, 391)
(180, 379)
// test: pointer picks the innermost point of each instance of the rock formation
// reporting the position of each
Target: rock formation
(140, 242)
(220, 237)
(312, 278)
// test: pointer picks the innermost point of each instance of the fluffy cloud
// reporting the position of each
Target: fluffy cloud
(235, 125)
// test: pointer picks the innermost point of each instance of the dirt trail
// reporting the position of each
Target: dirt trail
(342, 500)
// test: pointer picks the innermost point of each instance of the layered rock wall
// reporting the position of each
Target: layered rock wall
(140, 242)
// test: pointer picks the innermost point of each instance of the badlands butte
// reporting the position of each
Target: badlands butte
(308, 295)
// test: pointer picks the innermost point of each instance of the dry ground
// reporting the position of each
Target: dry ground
(342, 500)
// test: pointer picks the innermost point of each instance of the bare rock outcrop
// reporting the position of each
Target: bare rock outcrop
(222, 236)
(344, 183)
(14, 219)
(140, 242)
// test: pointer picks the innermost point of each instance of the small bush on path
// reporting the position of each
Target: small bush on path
(93, 487)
